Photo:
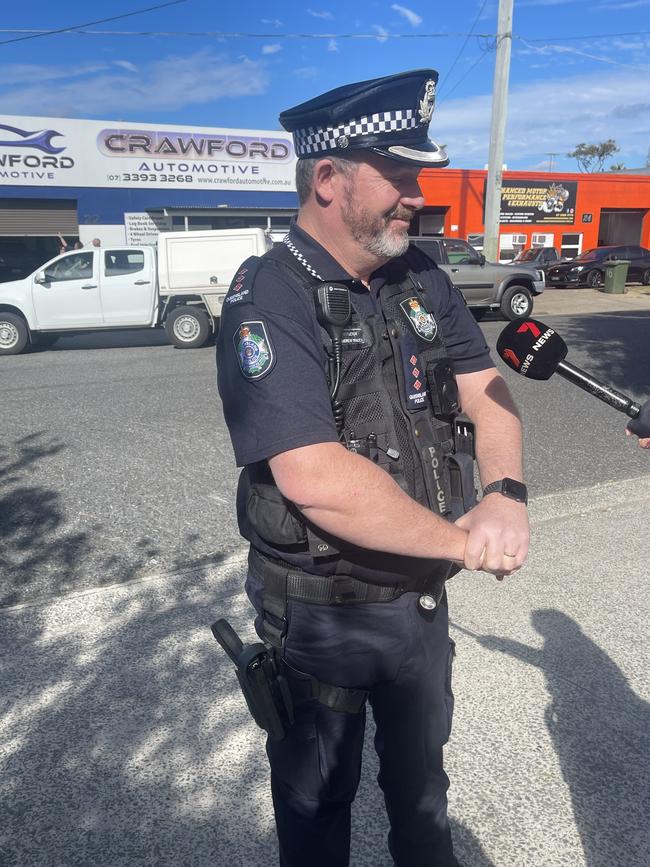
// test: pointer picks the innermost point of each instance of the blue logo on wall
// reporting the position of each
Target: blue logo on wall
(41, 139)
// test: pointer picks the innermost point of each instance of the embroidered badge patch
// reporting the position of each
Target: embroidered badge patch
(423, 323)
(254, 350)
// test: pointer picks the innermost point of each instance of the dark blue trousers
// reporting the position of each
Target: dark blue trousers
(403, 656)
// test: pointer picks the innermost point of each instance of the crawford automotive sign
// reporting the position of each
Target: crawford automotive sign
(538, 202)
(47, 151)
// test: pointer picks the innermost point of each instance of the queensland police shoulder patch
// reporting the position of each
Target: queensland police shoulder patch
(253, 347)
(423, 323)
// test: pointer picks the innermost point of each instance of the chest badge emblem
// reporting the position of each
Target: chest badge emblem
(254, 350)
(423, 323)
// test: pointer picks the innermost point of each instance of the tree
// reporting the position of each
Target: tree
(591, 157)
(617, 167)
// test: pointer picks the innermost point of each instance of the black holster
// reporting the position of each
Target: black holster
(271, 687)
(261, 680)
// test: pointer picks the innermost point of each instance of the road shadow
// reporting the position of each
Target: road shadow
(123, 740)
(118, 339)
(46, 552)
(617, 346)
(600, 730)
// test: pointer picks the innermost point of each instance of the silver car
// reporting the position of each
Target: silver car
(510, 289)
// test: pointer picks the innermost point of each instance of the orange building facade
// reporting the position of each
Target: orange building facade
(571, 212)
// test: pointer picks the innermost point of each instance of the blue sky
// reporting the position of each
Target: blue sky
(573, 76)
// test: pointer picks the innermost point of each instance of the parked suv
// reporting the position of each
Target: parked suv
(485, 285)
(588, 269)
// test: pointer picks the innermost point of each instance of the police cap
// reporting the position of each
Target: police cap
(388, 115)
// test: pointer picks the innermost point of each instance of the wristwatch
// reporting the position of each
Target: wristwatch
(509, 488)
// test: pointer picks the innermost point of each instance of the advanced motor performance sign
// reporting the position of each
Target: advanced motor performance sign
(538, 202)
(87, 153)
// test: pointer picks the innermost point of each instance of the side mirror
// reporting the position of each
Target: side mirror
(481, 259)
(39, 277)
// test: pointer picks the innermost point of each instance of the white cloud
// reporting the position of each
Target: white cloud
(126, 64)
(169, 83)
(325, 14)
(271, 49)
(383, 33)
(630, 4)
(553, 115)
(333, 45)
(412, 17)
(274, 22)
(548, 2)
(28, 73)
(306, 72)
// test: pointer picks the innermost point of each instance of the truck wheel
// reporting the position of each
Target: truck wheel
(187, 327)
(516, 302)
(595, 278)
(646, 277)
(14, 333)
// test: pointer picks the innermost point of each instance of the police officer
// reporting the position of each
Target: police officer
(344, 357)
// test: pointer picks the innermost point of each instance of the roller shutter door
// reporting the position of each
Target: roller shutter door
(38, 217)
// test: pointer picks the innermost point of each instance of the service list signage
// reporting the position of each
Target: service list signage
(47, 151)
(537, 202)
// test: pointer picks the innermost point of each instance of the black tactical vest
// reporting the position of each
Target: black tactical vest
(396, 404)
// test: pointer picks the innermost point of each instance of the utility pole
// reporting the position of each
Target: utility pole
(497, 131)
(550, 156)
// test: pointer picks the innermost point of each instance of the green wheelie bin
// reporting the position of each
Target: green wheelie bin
(615, 277)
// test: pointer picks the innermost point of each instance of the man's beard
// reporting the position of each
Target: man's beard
(375, 232)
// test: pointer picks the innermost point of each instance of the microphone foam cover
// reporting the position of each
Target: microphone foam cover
(531, 348)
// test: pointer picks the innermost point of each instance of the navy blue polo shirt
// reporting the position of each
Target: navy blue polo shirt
(271, 364)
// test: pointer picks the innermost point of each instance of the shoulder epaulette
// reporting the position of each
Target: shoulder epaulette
(241, 288)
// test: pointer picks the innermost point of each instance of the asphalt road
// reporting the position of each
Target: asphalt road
(115, 463)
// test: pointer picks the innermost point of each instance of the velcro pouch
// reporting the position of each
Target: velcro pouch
(270, 515)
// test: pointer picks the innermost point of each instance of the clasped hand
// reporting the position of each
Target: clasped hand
(498, 535)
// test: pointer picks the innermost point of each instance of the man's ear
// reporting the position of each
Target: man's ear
(324, 180)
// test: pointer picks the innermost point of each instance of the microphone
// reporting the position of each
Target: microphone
(536, 351)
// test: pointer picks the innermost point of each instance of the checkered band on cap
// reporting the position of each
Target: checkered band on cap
(314, 140)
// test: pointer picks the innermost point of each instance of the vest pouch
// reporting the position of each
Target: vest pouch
(270, 516)
(442, 387)
(463, 490)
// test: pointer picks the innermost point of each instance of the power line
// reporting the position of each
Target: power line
(482, 56)
(222, 34)
(458, 56)
(34, 34)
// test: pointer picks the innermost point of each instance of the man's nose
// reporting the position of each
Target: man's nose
(412, 196)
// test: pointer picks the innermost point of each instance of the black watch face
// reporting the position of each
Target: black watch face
(516, 490)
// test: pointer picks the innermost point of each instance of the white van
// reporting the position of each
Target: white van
(180, 284)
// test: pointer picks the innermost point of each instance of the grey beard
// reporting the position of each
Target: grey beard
(387, 246)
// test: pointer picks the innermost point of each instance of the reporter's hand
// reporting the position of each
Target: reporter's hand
(498, 535)
(640, 426)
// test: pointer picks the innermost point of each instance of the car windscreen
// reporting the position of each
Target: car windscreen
(526, 255)
(589, 256)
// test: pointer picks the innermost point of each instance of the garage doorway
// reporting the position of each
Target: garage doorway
(428, 221)
(620, 226)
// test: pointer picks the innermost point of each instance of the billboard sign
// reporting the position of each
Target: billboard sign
(538, 202)
(68, 152)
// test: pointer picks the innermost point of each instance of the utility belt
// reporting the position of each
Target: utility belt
(283, 583)
(272, 688)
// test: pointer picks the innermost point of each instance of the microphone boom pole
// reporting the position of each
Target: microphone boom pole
(598, 389)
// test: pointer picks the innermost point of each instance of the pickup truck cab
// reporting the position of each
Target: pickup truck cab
(510, 289)
(180, 284)
(538, 257)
